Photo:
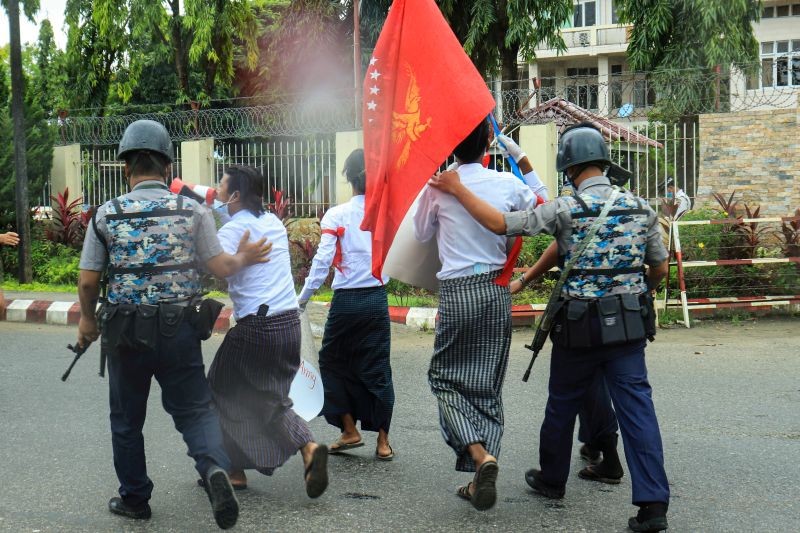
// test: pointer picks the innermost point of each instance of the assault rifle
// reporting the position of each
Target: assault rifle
(543, 327)
(79, 351)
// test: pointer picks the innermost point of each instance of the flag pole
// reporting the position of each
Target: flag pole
(357, 61)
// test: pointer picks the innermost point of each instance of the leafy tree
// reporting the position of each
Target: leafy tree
(197, 36)
(305, 47)
(688, 47)
(91, 58)
(496, 34)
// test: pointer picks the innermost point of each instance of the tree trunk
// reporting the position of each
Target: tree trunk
(25, 274)
(180, 54)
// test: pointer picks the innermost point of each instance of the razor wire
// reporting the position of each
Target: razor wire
(628, 97)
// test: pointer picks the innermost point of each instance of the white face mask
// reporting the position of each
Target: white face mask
(222, 208)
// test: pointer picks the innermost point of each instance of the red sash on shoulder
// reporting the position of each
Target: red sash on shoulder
(508, 269)
(337, 256)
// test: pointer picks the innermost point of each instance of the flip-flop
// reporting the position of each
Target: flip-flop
(316, 473)
(385, 457)
(485, 494)
(339, 446)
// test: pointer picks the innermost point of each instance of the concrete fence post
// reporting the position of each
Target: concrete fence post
(65, 171)
(540, 142)
(197, 162)
(346, 142)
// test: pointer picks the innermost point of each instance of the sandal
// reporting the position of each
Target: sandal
(339, 446)
(385, 457)
(485, 494)
(463, 492)
(316, 473)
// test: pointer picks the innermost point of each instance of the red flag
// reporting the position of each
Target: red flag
(422, 97)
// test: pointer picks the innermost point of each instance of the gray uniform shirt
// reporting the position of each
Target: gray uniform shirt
(95, 255)
(554, 218)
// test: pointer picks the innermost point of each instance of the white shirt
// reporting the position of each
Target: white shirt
(684, 203)
(356, 251)
(263, 283)
(466, 247)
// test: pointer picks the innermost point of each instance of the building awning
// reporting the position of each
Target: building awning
(565, 113)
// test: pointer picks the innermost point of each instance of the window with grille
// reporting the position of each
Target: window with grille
(780, 64)
(584, 14)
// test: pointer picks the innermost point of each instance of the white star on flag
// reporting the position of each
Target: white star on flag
(371, 105)
(375, 74)
(373, 61)
(374, 90)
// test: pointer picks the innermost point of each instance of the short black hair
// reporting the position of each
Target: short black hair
(355, 170)
(250, 184)
(146, 163)
(474, 146)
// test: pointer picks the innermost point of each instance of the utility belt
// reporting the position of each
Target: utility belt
(608, 321)
(141, 326)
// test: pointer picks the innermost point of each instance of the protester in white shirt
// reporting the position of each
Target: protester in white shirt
(254, 367)
(354, 358)
(473, 335)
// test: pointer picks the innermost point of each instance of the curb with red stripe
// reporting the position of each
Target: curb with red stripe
(69, 313)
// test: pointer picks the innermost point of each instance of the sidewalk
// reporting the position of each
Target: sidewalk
(62, 308)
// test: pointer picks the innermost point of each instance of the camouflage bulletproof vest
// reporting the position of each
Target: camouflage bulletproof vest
(151, 251)
(614, 262)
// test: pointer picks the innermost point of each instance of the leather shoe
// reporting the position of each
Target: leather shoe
(652, 517)
(223, 501)
(117, 506)
(533, 478)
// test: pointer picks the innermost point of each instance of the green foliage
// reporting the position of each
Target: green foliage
(682, 41)
(495, 34)
(52, 263)
(532, 248)
(39, 134)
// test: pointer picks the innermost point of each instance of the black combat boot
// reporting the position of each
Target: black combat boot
(223, 501)
(609, 470)
(652, 517)
(589, 454)
(533, 478)
(118, 506)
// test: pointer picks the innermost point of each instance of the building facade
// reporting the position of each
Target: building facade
(594, 73)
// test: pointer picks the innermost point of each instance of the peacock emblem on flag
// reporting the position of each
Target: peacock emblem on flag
(408, 126)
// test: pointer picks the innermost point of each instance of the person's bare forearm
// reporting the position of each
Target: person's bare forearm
(482, 211)
(548, 260)
(524, 165)
(88, 293)
(656, 273)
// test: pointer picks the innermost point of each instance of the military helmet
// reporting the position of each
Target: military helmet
(146, 135)
(581, 145)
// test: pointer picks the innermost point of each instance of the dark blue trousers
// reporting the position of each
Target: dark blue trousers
(177, 364)
(598, 422)
(572, 373)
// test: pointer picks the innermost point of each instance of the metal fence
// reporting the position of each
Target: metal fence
(675, 156)
(304, 170)
(103, 175)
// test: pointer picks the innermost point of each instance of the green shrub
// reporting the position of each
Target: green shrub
(532, 248)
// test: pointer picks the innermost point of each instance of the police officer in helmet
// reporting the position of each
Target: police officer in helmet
(605, 317)
(151, 244)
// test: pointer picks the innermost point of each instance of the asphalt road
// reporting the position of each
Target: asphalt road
(727, 396)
